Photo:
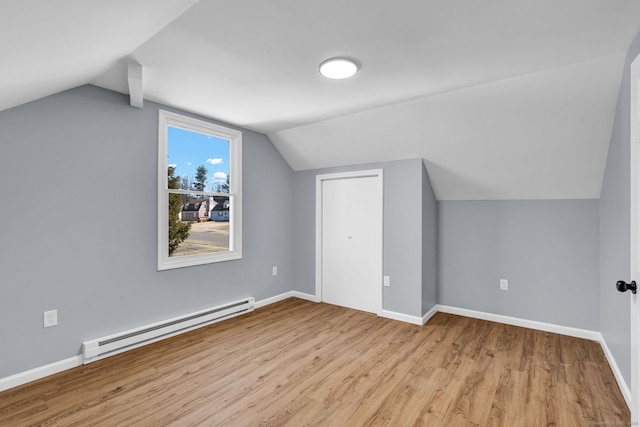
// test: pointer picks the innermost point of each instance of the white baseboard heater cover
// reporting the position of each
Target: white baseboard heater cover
(117, 343)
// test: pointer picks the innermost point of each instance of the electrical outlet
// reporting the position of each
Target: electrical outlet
(274, 271)
(50, 318)
(504, 285)
(387, 280)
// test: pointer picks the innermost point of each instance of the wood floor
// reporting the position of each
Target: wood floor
(298, 363)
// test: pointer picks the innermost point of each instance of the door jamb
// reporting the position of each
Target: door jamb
(634, 138)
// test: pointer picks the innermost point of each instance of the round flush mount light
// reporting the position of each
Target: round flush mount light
(339, 68)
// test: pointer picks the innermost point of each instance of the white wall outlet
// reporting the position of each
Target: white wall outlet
(50, 318)
(504, 285)
(274, 270)
(387, 280)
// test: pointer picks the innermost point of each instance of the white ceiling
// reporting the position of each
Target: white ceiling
(47, 46)
(503, 99)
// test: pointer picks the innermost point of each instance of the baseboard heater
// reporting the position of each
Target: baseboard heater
(117, 343)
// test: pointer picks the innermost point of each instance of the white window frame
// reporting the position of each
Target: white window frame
(234, 137)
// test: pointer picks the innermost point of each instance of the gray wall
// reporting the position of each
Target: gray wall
(547, 249)
(70, 161)
(78, 227)
(614, 230)
(429, 244)
(402, 236)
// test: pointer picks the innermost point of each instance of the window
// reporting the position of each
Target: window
(199, 192)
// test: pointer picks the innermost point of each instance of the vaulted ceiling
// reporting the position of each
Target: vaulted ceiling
(502, 99)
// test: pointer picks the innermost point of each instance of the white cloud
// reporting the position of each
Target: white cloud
(215, 161)
(172, 165)
(219, 178)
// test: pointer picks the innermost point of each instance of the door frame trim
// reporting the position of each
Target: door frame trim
(634, 140)
(377, 173)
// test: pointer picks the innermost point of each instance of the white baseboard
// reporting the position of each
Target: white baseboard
(72, 362)
(429, 314)
(62, 365)
(515, 321)
(284, 296)
(624, 388)
(305, 296)
(273, 299)
(549, 327)
(39, 372)
(401, 317)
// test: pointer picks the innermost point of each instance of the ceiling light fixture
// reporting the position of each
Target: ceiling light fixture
(339, 68)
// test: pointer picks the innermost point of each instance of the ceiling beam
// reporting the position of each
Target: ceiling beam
(134, 77)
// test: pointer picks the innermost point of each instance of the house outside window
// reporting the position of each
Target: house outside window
(199, 192)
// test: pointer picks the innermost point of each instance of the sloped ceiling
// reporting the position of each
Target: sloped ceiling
(47, 46)
(502, 99)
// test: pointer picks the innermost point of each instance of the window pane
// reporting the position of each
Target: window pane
(201, 226)
(199, 161)
(199, 175)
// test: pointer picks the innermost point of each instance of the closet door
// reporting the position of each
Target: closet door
(352, 241)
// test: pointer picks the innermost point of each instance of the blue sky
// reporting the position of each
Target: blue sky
(187, 150)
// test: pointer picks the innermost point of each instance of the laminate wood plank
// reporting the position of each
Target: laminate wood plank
(297, 363)
(360, 358)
